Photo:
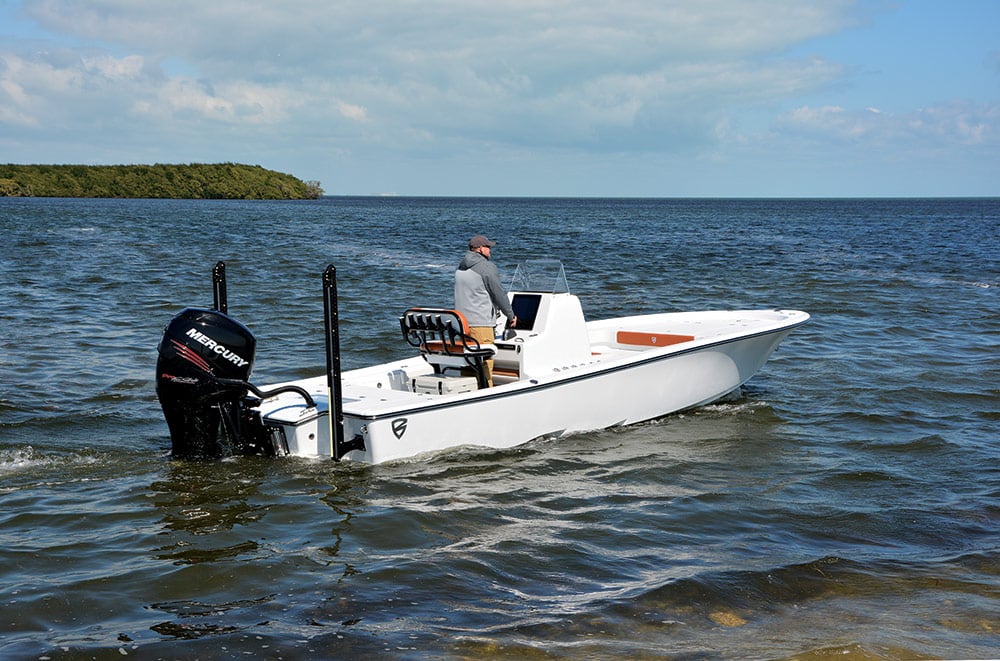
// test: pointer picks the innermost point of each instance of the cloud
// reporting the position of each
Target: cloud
(959, 122)
(944, 125)
(358, 35)
(30, 88)
(112, 68)
(581, 74)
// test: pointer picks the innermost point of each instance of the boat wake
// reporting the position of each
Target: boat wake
(27, 458)
(26, 467)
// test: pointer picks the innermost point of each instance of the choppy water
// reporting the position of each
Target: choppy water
(847, 504)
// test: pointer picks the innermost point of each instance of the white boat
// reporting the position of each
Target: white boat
(555, 375)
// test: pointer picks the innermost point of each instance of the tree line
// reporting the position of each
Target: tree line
(219, 181)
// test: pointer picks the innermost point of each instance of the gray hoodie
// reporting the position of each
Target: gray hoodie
(478, 292)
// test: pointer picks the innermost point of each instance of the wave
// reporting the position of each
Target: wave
(26, 466)
(21, 458)
(840, 605)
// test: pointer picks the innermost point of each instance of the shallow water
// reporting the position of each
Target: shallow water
(846, 503)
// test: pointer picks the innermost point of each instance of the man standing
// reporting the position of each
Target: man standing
(479, 295)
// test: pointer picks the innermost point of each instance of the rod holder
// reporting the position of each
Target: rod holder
(338, 445)
(219, 287)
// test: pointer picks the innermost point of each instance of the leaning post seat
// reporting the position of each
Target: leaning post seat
(443, 338)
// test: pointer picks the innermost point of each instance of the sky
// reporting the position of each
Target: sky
(551, 98)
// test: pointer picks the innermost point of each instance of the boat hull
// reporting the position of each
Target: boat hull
(633, 387)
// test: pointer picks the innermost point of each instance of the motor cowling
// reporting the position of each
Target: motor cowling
(205, 360)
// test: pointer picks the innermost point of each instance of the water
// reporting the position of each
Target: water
(847, 503)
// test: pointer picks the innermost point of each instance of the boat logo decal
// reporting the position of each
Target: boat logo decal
(190, 355)
(399, 427)
(216, 347)
(186, 380)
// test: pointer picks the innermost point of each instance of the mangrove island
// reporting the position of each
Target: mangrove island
(219, 181)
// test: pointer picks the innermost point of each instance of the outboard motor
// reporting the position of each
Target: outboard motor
(205, 360)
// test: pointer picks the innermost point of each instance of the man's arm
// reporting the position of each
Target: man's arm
(497, 293)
